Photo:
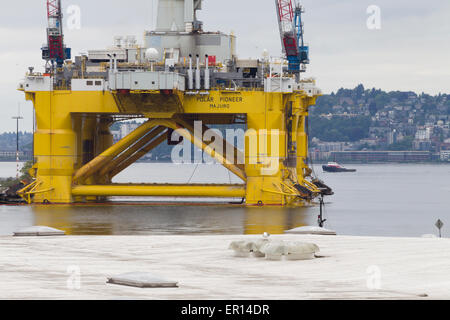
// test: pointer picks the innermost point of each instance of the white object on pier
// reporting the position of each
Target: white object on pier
(295, 250)
(242, 248)
(429, 236)
(142, 280)
(311, 230)
(38, 231)
(273, 250)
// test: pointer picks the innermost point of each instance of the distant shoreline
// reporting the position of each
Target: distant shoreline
(14, 160)
(315, 162)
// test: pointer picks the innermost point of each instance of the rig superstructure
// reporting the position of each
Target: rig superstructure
(180, 76)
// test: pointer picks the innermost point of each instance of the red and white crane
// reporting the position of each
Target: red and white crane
(291, 32)
(55, 51)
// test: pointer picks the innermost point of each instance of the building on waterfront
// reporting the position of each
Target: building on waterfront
(445, 155)
(320, 156)
(330, 146)
(422, 145)
(392, 137)
(123, 129)
(127, 127)
(381, 156)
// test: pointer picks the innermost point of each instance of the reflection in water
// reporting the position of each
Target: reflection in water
(377, 200)
(143, 219)
(71, 220)
(159, 219)
(274, 220)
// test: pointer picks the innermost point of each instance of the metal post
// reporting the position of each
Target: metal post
(190, 74)
(207, 84)
(115, 63)
(17, 118)
(197, 75)
(439, 224)
(320, 219)
(269, 80)
(34, 131)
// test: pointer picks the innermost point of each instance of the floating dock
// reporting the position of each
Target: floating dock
(348, 268)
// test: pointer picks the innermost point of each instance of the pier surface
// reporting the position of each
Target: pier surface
(349, 268)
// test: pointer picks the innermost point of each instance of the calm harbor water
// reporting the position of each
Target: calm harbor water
(377, 200)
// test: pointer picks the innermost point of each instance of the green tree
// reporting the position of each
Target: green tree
(339, 128)
(373, 108)
(25, 174)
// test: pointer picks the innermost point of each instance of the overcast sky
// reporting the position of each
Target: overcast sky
(410, 52)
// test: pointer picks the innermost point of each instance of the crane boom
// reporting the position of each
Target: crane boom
(55, 51)
(291, 33)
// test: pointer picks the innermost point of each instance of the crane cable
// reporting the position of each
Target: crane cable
(192, 175)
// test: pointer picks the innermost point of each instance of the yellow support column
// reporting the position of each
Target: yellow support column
(265, 152)
(88, 141)
(55, 145)
(105, 141)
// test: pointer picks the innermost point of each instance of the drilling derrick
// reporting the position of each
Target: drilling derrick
(181, 80)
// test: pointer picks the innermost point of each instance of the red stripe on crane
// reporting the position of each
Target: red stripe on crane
(52, 8)
(285, 10)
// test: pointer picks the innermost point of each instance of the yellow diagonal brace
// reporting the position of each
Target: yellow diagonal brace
(186, 133)
(237, 154)
(130, 151)
(95, 164)
(312, 187)
(184, 129)
(139, 154)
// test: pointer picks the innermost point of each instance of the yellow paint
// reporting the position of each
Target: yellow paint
(137, 155)
(76, 158)
(222, 191)
(140, 144)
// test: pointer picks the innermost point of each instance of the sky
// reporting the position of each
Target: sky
(409, 52)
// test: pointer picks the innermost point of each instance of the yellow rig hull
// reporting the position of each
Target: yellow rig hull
(75, 158)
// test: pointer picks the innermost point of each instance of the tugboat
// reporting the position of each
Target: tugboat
(335, 167)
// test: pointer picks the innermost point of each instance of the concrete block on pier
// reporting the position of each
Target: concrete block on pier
(142, 280)
(295, 250)
(38, 231)
(311, 230)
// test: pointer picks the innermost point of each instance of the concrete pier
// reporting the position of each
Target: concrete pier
(77, 267)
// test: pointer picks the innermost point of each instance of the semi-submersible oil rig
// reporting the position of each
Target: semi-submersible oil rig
(180, 76)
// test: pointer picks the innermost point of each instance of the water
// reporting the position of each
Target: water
(8, 169)
(377, 200)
